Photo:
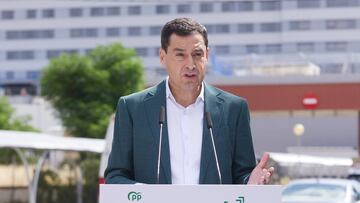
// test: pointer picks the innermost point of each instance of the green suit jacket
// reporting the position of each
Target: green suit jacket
(136, 139)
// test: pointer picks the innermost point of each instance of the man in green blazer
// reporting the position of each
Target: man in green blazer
(187, 154)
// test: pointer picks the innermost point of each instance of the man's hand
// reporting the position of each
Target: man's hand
(261, 175)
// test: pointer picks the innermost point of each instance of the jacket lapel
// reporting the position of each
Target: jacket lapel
(153, 102)
(213, 104)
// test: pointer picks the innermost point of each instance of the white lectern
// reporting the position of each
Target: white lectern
(190, 193)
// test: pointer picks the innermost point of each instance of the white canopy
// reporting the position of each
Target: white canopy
(33, 140)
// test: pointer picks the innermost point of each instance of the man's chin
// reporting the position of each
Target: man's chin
(192, 86)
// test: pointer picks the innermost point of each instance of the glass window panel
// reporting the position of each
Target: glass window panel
(270, 5)
(76, 12)
(162, 9)
(308, 3)
(134, 10)
(7, 15)
(206, 7)
(48, 13)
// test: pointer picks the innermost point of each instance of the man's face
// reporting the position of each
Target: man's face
(185, 61)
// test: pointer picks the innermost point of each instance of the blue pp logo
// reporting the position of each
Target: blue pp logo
(134, 196)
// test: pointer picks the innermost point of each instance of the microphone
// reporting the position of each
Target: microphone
(210, 126)
(161, 123)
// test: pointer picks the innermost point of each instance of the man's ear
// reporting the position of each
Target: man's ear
(162, 54)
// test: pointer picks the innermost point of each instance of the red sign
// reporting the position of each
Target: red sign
(310, 101)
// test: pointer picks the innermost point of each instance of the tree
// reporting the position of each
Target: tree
(85, 89)
(9, 122)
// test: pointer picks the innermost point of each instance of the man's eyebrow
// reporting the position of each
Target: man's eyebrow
(198, 49)
(178, 49)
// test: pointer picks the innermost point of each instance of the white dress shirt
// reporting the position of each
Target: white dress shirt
(185, 129)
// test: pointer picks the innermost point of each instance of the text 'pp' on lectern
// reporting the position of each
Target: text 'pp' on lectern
(117, 193)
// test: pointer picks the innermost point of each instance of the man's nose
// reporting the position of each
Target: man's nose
(190, 63)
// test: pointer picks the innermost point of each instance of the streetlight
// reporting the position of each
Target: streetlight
(298, 131)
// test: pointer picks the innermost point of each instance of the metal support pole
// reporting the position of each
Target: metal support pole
(27, 170)
(79, 184)
(35, 181)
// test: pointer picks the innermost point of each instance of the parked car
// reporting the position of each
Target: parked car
(322, 191)
(354, 173)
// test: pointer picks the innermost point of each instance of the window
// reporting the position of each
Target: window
(252, 48)
(206, 7)
(340, 24)
(91, 32)
(134, 10)
(32, 75)
(305, 47)
(222, 49)
(7, 15)
(134, 31)
(142, 51)
(155, 30)
(270, 5)
(222, 28)
(336, 46)
(331, 68)
(342, 3)
(30, 34)
(270, 27)
(9, 75)
(245, 6)
(76, 12)
(97, 11)
(300, 25)
(27, 55)
(83, 32)
(228, 6)
(355, 68)
(52, 54)
(273, 48)
(210, 28)
(19, 55)
(12, 35)
(46, 34)
(245, 28)
(308, 3)
(113, 32)
(184, 8)
(113, 11)
(48, 13)
(156, 51)
(31, 14)
(12, 55)
(56, 53)
(162, 9)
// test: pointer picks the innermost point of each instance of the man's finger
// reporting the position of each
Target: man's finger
(264, 160)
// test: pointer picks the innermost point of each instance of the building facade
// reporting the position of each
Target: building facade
(241, 33)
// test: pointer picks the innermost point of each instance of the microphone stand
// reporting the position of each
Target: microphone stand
(161, 122)
(209, 125)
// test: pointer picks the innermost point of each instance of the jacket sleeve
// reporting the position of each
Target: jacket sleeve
(244, 158)
(120, 164)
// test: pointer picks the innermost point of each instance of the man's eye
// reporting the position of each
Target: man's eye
(179, 54)
(197, 55)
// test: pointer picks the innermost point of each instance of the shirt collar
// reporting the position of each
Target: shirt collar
(171, 96)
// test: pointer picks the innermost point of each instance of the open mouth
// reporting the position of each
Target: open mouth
(190, 75)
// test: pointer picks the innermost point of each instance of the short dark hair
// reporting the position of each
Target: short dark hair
(181, 27)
